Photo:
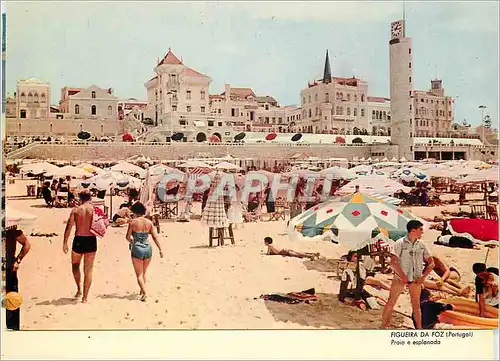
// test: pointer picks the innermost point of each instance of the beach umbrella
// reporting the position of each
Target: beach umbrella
(195, 164)
(177, 136)
(39, 168)
(227, 166)
(403, 159)
(394, 159)
(127, 137)
(146, 192)
(163, 169)
(239, 136)
(128, 168)
(410, 175)
(481, 176)
(296, 137)
(338, 173)
(385, 159)
(83, 135)
(70, 171)
(374, 185)
(271, 136)
(22, 220)
(351, 220)
(214, 139)
(89, 168)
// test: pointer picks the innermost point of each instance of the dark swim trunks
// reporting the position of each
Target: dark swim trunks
(84, 244)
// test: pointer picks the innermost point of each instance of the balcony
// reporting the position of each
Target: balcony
(172, 84)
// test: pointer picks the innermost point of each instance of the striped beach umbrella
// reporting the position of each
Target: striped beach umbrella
(351, 219)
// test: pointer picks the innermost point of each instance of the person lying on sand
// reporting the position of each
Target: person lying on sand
(352, 283)
(272, 251)
(447, 280)
(430, 310)
(123, 215)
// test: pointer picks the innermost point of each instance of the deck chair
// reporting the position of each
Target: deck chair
(480, 211)
(280, 207)
(253, 216)
(171, 210)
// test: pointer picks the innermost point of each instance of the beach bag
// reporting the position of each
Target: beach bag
(100, 223)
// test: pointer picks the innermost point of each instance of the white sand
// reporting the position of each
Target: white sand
(192, 287)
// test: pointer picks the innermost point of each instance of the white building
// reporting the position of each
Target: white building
(334, 105)
(33, 99)
(176, 88)
(379, 113)
(401, 90)
(92, 102)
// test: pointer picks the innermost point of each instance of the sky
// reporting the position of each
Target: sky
(275, 48)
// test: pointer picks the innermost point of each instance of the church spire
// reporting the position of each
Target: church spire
(327, 74)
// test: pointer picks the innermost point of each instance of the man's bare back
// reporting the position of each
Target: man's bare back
(83, 219)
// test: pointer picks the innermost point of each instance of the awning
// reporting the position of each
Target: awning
(199, 123)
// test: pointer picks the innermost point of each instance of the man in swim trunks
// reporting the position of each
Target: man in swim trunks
(272, 251)
(84, 243)
(486, 283)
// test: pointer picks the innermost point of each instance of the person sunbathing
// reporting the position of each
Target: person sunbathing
(447, 280)
(272, 251)
(123, 215)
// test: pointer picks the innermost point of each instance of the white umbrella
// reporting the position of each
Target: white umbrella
(128, 168)
(481, 176)
(374, 185)
(227, 166)
(385, 159)
(89, 168)
(39, 168)
(338, 173)
(194, 164)
(163, 169)
(70, 171)
(23, 221)
(394, 159)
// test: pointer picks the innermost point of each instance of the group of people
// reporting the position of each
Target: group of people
(58, 193)
(85, 244)
(412, 264)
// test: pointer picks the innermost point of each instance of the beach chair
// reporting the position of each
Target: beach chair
(253, 216)
(479, 211)
(491, 212)
(171, 210)
(280, 210)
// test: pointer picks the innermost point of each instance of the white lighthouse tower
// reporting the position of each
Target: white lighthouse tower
(401, 90)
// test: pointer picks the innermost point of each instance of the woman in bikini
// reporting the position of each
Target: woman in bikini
(138, 233)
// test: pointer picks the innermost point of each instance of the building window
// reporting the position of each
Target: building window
(23, 97)
(409, 51)
(93, 95)
(355, 112)
(43, 97)
(409, 93)
(202, 109)
(411, 122)
(409, 65)
(327, 97)
(110, 110)
(30, 97)
(310, 113)
(210, 123)
(234, 113)
(77, 109)
(202, 94)
(188, 108)
(362, 112)
(355, 97)
(348, 97)
(93, 110)
(279, 120)
(362, 100)
(188, 94)
(174, 108)
(309, 98)
(219, 124)
(384, 115)
(422, 100)
(303, 100)
(182, 122)
(409, 79)
(36, 97)
(449, 113)
(348, 111)
(411, 107)
(316, 97)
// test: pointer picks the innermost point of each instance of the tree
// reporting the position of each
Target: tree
(487, 122)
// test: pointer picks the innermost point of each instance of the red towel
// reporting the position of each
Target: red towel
(482, 230)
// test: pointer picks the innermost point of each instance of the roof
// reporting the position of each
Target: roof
(266, 99)
(31, 81)
(353, 81)
(377, 99)
(241, 92)
(194, 74)
(170, 58)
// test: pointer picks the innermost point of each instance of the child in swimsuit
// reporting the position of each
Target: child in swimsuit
(141, 250)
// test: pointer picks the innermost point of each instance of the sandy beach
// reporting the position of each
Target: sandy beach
(193, 286)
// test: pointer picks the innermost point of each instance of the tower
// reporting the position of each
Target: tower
(401, 90)
(327, 73)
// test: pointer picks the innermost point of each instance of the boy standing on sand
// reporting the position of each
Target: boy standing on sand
(84, 244)
(407, 260)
